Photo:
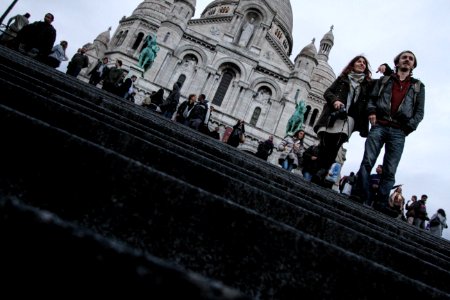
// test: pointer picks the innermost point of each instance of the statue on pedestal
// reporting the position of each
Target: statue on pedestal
(148, 54)
(247, 32)
(295, 123)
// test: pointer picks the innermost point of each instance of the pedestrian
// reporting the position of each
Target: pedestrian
(79, 61)
(438, 222)
(265, 148)
(57, 55)
(37, 39)
(344, 112)
(13, 26)
(99, 71)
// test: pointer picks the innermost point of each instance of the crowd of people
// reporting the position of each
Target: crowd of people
(413, 211)
(37, 40)
(384, 111)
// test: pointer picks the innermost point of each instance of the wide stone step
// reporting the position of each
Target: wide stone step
(228, 188)
(182, 223)
(49, 256)
(119, 119)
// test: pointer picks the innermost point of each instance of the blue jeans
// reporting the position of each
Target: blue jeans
(287, 165)
(168, 114)
(393, 139)
(307, 176)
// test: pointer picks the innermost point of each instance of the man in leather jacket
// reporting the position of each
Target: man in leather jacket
(395, 110)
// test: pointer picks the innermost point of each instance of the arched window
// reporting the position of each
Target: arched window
(122, 38)
(118, 38)
(255, 116)
(225, 82)
(181, 80)
(190, 57)
(264, 94)
(224, 10)
(138, 41)
(313, 117)
(144, 45)
(278, 33)
(306, 114)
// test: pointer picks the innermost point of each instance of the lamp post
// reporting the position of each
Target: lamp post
(7, 11)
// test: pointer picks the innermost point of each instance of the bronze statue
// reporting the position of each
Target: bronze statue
(295, 123)
(148, 54)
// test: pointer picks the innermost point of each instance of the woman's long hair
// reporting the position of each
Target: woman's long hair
(349, 68)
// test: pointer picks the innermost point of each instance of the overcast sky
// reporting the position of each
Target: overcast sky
(379, 29)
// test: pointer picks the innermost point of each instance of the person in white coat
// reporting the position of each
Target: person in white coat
(438, 222)
(57, 55)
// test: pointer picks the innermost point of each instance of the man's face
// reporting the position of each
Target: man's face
(406, 62)
(48, 18)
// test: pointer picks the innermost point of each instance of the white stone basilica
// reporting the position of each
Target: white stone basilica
(237, 54)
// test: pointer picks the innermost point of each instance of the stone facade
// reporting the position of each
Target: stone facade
(244, 70)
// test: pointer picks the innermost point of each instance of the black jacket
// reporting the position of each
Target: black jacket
(410, 111)
(338, 91)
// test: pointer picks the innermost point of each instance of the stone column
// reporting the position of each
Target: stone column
(231, 102)
(212, 82)
(243, 100)
(162, 71)
(234, 24)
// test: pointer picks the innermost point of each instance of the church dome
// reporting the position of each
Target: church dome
(154, 10)
(323, 75)
(283, 9)
(104, 37)
(309, 50)
(209, 10)
(329, 36)
(193, 3)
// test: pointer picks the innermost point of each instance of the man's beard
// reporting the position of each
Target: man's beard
(404, 69)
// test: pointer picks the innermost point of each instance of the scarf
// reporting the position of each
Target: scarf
(355, 87)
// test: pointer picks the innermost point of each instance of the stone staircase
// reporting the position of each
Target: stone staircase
(184, 205)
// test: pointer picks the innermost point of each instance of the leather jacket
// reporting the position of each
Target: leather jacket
(410, 111)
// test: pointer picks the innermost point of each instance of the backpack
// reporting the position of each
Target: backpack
(435, 222)
(342, 183)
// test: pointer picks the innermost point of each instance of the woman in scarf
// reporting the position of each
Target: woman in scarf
(343, 113)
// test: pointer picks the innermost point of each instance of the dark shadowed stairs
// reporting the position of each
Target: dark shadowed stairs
(98, 195)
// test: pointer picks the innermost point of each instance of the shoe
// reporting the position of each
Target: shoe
(319, 176)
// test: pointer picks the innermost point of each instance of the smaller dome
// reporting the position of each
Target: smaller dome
(329, 35)
(155, 11)
(309, 50)
(104, 37)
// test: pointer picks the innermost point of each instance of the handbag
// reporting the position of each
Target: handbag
(242, 138)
